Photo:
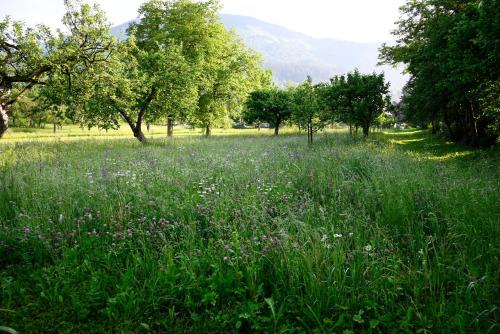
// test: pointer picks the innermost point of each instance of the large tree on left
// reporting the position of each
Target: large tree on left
(35, 56)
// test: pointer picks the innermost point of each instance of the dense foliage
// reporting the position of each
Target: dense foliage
(452, 51)
(177, 63)
(358, 99)
(35, 56)
(273, 106)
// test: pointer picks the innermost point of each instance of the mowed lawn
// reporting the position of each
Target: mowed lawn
(399, 233)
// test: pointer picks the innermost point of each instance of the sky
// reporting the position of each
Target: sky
(350, 20)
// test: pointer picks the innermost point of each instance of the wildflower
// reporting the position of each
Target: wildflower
(337, 235)
(26, 230)
(227, 247)
(265, 249)
(368, 248)
(275, 241)
(421, 251)
(226, 258)
(61, 218)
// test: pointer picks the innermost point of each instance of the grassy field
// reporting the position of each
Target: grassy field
(74, 132)
(396, 234)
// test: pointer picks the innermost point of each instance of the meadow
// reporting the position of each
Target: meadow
(244, 233)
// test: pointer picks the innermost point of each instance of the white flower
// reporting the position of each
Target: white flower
(337, 235)
(368, 248)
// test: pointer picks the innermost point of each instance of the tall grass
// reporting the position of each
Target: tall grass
(250, 234)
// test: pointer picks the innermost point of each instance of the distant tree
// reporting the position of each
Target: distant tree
(309, 107)
(370, 98)
(273, 106)
(356, 99)
(31, 57)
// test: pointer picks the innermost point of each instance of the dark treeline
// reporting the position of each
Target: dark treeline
(452, 51)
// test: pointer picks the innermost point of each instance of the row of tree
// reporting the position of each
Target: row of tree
(452, 51)
(356, 99)
(177, 63)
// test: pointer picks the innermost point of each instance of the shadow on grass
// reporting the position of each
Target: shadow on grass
(427, 146)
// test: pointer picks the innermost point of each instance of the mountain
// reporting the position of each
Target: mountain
(292, 55)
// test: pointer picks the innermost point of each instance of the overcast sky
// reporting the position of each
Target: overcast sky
(352, 20)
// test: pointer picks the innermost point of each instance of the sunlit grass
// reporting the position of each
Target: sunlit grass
(74, 132)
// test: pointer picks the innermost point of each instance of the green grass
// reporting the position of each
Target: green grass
(74, 132)
(396, 234)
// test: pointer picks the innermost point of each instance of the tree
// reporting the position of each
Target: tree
(370, 98)
(230, 73)
(225, 70)
(357, 99)
(272, 106)
(31, 57)
(135, 86)
(309, 107)
(451, 50)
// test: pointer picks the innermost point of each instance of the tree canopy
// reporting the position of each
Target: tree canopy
(273, 106)
(31, 57)
(451, 49)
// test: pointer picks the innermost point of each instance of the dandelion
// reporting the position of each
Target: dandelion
(368, 248)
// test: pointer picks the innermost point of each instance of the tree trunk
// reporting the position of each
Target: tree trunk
(54, 127)
(276, 129)
(350, 129)
(139, 134)
(309, 134)
(473, 135)
(148, 126)
(208, 131)
(170, 127)
(435, 127)
(366, 131)
(4, 120)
